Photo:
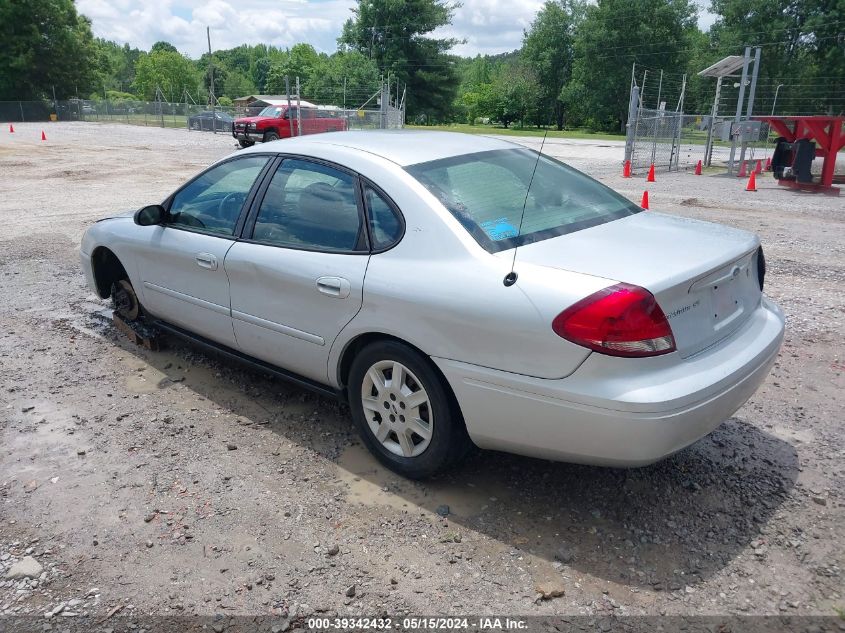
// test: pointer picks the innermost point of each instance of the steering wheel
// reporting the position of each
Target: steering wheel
(221, 209)
(189, 220)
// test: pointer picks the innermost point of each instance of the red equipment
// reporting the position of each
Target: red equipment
(826, 131)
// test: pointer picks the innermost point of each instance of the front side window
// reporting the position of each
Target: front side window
(486, 192)
(212, 202)
(310, 206)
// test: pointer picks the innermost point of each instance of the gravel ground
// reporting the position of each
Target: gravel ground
(171, 482)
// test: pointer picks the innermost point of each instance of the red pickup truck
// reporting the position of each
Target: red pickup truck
(274, 122)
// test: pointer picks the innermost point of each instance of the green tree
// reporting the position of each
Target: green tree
(117, 69)
(300, 61)
(515, 93)
(259, 72)
(395, 34)
(343, 77)
(237, 85)
(800, 38)
(613, 35)
(45, 43)
(163, 47)
(170, 72)
(548, 50)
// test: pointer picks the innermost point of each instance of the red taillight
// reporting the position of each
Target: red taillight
(621, 320)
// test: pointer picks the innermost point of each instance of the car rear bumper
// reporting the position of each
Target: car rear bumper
(618, 411)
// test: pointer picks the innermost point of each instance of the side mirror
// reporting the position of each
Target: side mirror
(150, 215)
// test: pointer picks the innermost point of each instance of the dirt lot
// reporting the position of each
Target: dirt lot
(173, 483)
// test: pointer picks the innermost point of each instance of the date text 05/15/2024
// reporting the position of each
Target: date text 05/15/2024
(417, 623)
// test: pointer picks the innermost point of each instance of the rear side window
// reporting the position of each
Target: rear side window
(310, 206)
(385, 225)
(486, 192)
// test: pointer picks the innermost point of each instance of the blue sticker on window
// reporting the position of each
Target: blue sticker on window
(499, 229)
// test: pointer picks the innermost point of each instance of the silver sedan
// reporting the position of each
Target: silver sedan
(456, 291)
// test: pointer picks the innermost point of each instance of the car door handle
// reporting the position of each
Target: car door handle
(207, 260)
(334, 287)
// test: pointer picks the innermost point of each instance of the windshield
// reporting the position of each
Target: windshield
(486, 191)
(273, 111)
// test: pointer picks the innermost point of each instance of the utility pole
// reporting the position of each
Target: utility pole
(211, 73)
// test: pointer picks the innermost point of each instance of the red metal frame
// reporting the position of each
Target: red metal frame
(826, 131)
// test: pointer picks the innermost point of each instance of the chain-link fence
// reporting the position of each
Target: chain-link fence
(379, 112)
(656, 140)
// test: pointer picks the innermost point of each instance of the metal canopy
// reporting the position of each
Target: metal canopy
(724, 67)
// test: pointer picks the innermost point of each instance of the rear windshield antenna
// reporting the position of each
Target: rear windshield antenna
(510, 278)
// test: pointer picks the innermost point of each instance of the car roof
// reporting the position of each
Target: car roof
(403, 147)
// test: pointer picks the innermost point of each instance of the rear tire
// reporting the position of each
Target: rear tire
(270, 136)
(412, 422)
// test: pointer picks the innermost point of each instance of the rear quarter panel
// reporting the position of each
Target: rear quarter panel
(440, 291)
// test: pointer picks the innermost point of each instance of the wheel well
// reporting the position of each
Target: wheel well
(363, 340)
(107, 270)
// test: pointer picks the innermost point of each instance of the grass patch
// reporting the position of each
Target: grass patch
(519, 131)
(150, 120)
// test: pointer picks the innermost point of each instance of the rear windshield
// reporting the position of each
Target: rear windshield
(486, 191)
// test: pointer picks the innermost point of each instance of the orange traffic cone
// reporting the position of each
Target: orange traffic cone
(742, 173)
(43, 136)
(769, 164)
(759, 168)
(11, 129)
(650, 174)
(752, 182)
(698, 168)
(644, 203)
(626, 169)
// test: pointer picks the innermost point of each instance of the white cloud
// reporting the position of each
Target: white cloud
(490, 26)
(486, 26)
(141, 23)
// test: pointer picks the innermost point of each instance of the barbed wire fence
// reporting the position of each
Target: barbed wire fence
(661, 133)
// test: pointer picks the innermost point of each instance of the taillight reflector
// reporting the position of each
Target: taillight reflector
(622, 320)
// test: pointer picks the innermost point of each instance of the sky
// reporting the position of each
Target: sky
(487, 26)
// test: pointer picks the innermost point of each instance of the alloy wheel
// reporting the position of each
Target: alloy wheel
(397, 409)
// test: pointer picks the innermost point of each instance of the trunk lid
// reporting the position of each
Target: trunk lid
(703, 275)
